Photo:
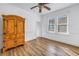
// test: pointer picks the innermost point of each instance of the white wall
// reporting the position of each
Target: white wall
(73, 16)
(31, 20)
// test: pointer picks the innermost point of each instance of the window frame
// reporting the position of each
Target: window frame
(67, 32)
(53, 25)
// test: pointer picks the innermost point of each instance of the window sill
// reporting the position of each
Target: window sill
(58, 32)
(51, 31)
(62, 33)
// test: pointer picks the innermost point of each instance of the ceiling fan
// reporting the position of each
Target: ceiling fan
(40, 6)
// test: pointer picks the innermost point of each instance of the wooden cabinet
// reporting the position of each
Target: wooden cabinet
(13, 31)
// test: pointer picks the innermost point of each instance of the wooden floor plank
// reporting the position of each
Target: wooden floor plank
(43, 47)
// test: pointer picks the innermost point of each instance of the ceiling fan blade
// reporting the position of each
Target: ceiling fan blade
(42, 3)
(46, 7)
(45, 3)
(33, 7)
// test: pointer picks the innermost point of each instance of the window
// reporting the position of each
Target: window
(58, 25)
(62, 24)
(51, 25)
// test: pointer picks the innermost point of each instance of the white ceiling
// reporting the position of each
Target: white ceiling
(53, 6)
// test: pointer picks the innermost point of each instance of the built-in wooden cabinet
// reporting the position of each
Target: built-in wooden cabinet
(13, 31)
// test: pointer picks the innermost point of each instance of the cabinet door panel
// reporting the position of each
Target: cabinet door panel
(9, 31)
(20, 41)
(20, 31)
(20, 27)
(11, 26)
(8, 37)
(9, 44)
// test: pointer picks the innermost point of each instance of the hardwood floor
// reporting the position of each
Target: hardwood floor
(43, 47)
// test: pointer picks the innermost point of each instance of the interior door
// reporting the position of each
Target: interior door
(19, 30)
(9, 32)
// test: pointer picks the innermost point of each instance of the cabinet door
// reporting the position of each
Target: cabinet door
(20, 31)
(9, 31)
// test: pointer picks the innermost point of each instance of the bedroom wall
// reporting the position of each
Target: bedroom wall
(31, 20)
(73, 25)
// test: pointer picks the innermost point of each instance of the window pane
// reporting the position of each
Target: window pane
(62, 28)
(51, 28)
(62, 20)
(62, 24)
(51, 24)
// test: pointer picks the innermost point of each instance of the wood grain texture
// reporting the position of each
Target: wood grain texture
(43, 47)
(13, 31)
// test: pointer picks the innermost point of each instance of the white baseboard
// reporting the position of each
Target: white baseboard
(77, 45)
